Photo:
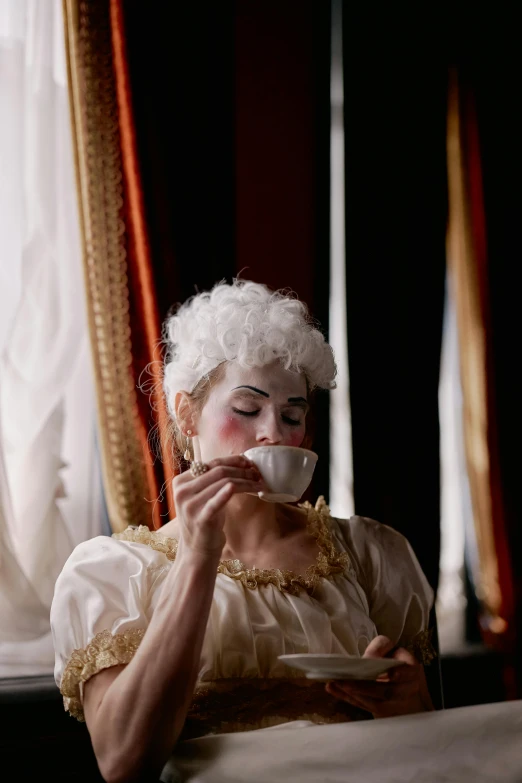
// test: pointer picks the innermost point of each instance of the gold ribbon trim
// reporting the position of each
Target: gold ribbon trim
(102, 652)
(96, 142)
(329, 560)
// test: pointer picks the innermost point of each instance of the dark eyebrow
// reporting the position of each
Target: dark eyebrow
(252, 388)
(297, 399)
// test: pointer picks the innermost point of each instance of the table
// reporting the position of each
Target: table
(478, 744)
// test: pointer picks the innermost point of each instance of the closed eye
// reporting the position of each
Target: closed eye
(286, 419)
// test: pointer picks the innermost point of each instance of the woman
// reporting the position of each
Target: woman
(168, 634)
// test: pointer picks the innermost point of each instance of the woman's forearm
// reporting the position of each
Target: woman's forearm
(143, 710)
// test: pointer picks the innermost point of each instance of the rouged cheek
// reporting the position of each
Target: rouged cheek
(229, 428)
(295, 438)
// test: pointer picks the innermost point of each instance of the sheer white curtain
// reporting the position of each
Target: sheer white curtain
(49, 490)
(341, 464)
(456, 511)
(23, 617)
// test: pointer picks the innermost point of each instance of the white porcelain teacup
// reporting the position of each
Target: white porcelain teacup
(286, 470)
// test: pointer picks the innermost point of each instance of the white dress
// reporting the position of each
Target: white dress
(367, 581)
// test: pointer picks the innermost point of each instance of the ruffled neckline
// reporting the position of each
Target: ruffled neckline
(329, 560)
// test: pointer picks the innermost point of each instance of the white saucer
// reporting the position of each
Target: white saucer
(339, 667)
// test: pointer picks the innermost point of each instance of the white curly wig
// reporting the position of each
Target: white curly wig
(247, 323)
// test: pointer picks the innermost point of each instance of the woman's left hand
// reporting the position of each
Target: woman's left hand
(401, 691)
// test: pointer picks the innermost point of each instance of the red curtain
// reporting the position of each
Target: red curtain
(484, 165)
(282, 143)
(145, 319)
(181, 68)
(121, 311)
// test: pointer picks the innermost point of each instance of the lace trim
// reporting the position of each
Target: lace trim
(329, 560)
(152, 538)
(102, 652)
(422, 648)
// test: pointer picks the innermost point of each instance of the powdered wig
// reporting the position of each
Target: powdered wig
(247, 323)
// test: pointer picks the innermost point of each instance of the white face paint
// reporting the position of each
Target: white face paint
(250, 407)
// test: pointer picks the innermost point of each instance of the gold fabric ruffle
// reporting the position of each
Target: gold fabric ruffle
(329, 560)
(152, 538)
(103, 651)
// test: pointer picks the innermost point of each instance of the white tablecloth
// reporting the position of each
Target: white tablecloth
(476, 744)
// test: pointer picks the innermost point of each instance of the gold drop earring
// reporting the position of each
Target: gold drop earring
(186, 455)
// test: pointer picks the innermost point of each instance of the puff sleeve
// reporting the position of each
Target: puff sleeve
(100, 611)
(398, 594)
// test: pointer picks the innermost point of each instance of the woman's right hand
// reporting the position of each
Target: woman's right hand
(200, 502)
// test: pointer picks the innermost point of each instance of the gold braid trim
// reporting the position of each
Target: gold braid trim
(152, 538)
(96, 143)
(329, 560)
(422, 648)
(102, 652)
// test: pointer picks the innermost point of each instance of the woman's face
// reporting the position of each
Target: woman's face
(264, 406)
